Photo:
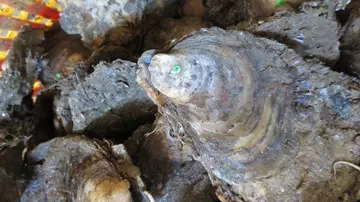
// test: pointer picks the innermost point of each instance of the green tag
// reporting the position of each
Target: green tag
(58, 75)
(176, 69)
(280, 2)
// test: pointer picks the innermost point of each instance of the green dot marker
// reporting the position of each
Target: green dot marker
(280, 2)
(176, 69)
(58, 75)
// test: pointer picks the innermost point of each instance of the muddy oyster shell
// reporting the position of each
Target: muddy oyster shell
(75, 168)
(224, 89)
(267, 126)
(115, 21)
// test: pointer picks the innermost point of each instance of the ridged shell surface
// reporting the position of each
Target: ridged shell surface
(223, 86)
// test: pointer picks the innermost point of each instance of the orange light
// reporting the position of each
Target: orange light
(36, 89)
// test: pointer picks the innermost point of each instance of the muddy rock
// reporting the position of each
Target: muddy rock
(75, 168)
(305, 34)
(325, 8)
(108, 101)
(117, 21)
(20, 72)
(230, 12)
(269, 126)
(167, 166)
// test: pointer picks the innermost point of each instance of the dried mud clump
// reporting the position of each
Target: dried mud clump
(244, 100)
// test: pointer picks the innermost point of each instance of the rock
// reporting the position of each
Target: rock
(20, 72)
(230, 12)
(305, 34)
(107, 102)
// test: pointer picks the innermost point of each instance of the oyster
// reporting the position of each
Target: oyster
(253, 109)
(75, 168)
(114, 21)
(200, 82)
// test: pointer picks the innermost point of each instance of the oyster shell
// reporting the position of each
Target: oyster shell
(75, 168)
(266, 125)
(213, 80)
(114, 21)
